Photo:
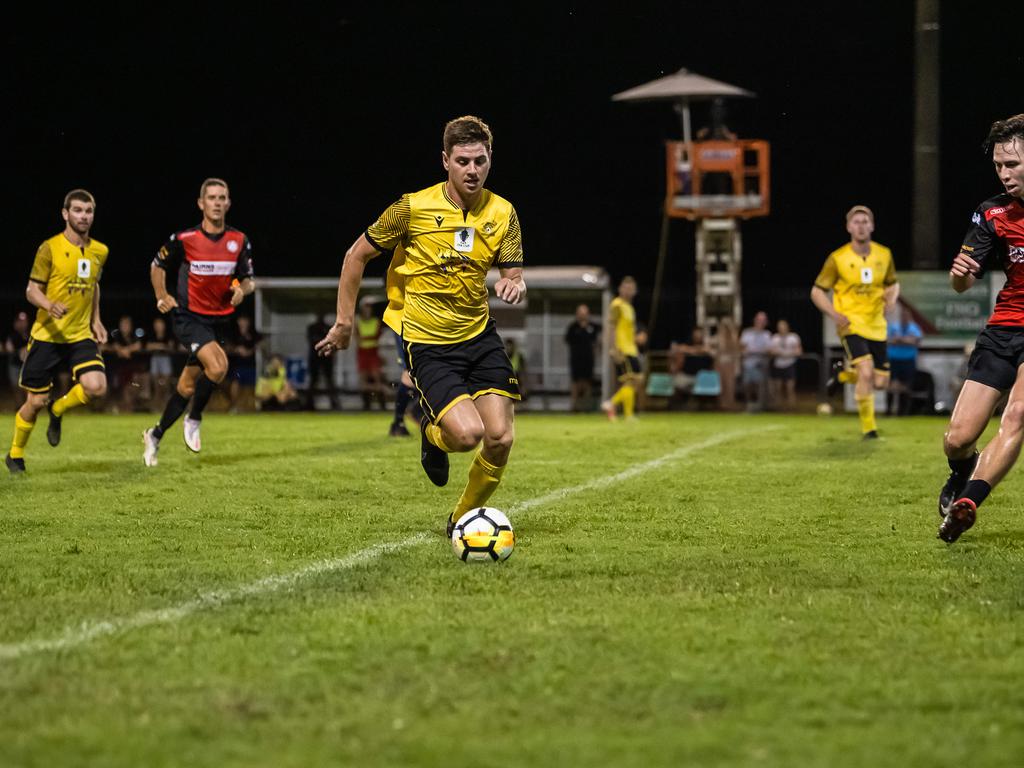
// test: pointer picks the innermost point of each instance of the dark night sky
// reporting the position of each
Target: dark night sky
(320, 114)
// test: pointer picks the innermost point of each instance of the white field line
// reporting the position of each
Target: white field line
(81, 634)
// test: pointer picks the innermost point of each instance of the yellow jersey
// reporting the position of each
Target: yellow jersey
(445, 256)
(623, 319)
(858, 286)
(69, 274)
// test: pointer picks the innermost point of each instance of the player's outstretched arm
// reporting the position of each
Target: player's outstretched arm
(352, 267)
(964, 272)
(98, 329)
(821, 300)
(37, 298)
(511, 288)
(158, 279)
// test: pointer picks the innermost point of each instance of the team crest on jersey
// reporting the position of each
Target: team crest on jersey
(464, 239)
(232, 246)
(488, 227)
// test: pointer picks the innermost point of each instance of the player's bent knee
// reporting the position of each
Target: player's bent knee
(464, 439)
(95, 390)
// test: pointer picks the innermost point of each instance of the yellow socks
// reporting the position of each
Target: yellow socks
(22, 431)
(75, 397)
(483, 479)
(848, 376)
(626, 397)
(434, 437)
(866, 412)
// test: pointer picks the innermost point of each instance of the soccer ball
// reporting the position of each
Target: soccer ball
(483, 535)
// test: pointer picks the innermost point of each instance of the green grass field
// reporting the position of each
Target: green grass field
(687, 589)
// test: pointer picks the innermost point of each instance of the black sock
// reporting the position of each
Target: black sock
(402, 398)
(204, 389)
(964, 467)
(174, 408)
(977, 491)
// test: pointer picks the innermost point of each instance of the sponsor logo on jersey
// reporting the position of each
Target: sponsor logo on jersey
(183, 235)
(464, 239)
(994, 212)
(211, 267)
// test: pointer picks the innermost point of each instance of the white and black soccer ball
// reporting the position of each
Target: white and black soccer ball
(483, 535)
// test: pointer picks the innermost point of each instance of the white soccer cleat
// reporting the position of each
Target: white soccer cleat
(192, 434)
(150, 445)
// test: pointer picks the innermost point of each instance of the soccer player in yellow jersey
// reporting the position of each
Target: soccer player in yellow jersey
(450, 234)
(862, 279)
(64, 286)
(624, 351)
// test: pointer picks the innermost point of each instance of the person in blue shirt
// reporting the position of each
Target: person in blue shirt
(904, 339)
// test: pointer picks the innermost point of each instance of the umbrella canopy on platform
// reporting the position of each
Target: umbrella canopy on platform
(682, 87)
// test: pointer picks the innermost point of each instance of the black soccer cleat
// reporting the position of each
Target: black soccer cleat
(450, 526)
(960, 517)
(398, 429)
(872, 435)
(433, 459)
(53, 428)
(16, 466)
(954, 486)
(833, 384)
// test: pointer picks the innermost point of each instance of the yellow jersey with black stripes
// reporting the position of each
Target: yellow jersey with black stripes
(67, 273)
(623, 320)
(442, 265)
(858, 286)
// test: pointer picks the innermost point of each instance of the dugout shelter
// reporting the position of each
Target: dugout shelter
(286, 306)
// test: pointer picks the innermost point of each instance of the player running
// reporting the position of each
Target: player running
(624, 351)
(862, 278)
(211, 267)
(995, 239)
(451, 235)
(64, 285)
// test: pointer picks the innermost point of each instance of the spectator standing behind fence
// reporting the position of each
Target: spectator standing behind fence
(685, 362)
(756, 342)
(785, 350)
(368, 328)
(727, 351)
(241, 361)
(904, 337)
(582, 337)
(319, 367)
(16, 347)
(160, 345)
(125, 348)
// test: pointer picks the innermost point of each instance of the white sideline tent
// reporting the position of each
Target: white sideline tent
(286, 306)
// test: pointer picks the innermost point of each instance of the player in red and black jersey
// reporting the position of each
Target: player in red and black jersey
(210, 269)
(995, 240)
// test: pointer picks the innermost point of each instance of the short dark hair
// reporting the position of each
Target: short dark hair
(466, 130)
(81, 195)
(1003, 131)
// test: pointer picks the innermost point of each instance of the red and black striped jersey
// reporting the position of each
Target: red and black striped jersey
(203, 266)
(995, 240)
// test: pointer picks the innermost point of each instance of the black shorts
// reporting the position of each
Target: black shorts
(445, 374)
(857, 348)
(785, 373)
(196, 331)
(629, 368)
(997, 355)
(45, 357)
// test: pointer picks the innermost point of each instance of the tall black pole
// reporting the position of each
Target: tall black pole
(926, 249)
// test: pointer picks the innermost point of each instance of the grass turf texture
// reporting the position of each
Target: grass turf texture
(770, 592)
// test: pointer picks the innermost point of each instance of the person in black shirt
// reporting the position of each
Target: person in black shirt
(319, 366)
(582, 337)
(242, 360)
(16, 347)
